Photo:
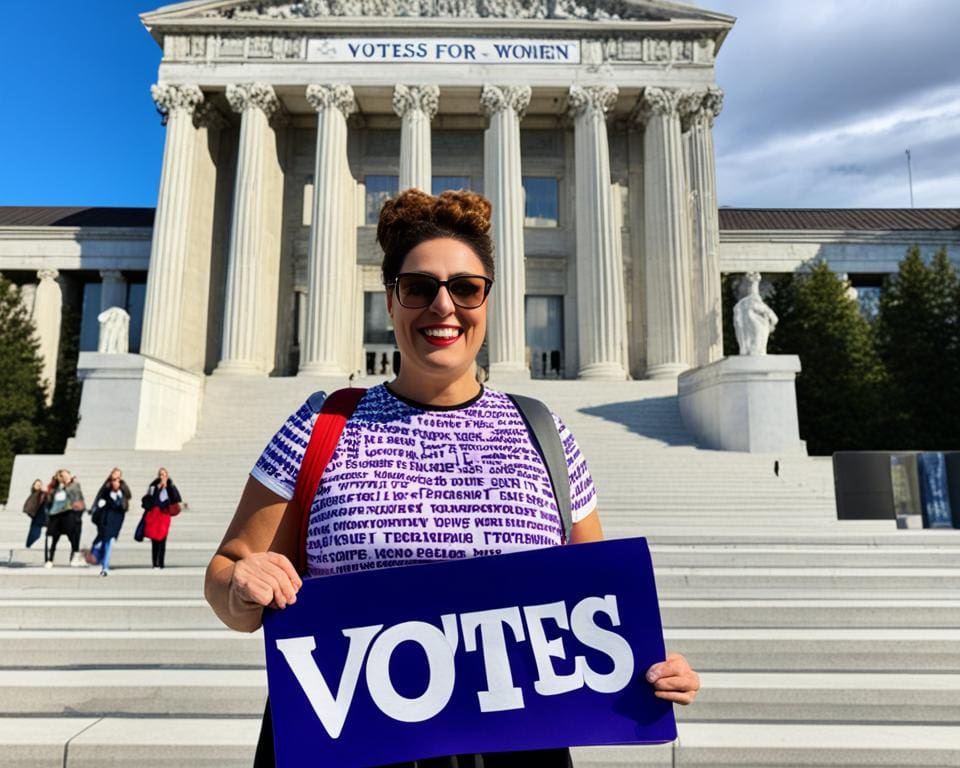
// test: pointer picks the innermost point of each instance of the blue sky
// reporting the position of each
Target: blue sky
(78, 126)
(822, 99)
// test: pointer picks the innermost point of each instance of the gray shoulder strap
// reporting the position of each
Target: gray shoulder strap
(543, 431)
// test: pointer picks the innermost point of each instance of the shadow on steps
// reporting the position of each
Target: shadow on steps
(656, 418)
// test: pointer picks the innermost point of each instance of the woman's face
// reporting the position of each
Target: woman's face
(162, 474)
(440, 339)
(37, 485)
(64, 477)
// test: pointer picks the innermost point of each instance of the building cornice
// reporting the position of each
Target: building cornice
(852, 236)
(8, 233)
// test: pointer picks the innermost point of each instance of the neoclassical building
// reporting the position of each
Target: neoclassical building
(588, 125)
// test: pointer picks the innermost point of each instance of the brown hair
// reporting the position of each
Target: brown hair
(413, 217)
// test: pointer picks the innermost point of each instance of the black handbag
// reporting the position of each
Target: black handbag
(138, 534)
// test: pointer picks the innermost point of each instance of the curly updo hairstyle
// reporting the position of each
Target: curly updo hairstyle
(413, 217)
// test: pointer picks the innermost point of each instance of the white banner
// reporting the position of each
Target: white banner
(443, 50)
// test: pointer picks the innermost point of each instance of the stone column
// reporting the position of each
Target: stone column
(113, 289)
(249, 317)
(162, 335)
(46, 316)
(330, 269)
(28, 294)
(416, 106)
(666, 232)
(698, 110)
(601, 306)
(505, 107)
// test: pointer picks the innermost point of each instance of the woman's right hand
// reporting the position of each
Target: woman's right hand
(265, 579)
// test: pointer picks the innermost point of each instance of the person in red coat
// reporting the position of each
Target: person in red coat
(161, 503)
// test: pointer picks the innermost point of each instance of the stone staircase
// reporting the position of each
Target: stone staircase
(819, 642)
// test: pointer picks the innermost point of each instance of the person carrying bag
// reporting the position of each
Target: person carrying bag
(161, 503)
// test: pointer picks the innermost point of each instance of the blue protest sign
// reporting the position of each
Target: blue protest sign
(532, 650)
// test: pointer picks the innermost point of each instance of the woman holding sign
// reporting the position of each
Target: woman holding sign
(434, 465)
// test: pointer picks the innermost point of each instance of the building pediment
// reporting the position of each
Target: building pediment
(585, 10)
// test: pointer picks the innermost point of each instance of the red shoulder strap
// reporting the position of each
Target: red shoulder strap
(337, 408)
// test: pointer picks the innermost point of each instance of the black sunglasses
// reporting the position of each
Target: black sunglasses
(415, 290)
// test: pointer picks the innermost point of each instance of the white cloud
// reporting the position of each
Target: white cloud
(824, 96)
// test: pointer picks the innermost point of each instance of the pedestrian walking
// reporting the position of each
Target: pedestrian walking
(161, 503)
(35, 507)
(108, 512)
(65, 517)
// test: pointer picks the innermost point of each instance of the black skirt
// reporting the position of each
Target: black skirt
(539, 758)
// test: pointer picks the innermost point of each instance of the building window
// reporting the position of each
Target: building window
(544, 329)
(379, 190)
(541, 201)
(443, 183)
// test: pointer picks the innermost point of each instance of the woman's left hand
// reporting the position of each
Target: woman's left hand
(673, 680)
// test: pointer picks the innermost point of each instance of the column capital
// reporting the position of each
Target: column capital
(656, 102)
(713, 102)
(172, 97)
(597, 99)
(111, 275)
(425, 98)
(47, 274)
(332, 97)
(703, 104)
(495, 98)
(254, 96)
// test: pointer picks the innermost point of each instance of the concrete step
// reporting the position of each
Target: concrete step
(107, 613)
(230, 742)
(870, 649)
(796, 580)
(895, 698)
(88, 742)
(752, 745)
(85, 648)
(120, 692)
(132, 581)
(671, 581)
(877, 613)
(126, 555)
(711, 649)
(931, 699)
(186, 613)
(680, 556)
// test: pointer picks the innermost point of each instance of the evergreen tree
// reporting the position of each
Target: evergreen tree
(22, 407)
(839, 389)
(918, 333)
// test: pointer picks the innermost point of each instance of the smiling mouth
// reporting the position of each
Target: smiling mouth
(441, 336)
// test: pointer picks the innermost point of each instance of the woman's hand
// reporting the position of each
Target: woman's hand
(266, 579)
(673, 680)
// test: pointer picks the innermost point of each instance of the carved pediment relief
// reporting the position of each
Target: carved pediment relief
(633, 10)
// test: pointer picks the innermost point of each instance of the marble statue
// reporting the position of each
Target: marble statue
(114, 331)
(753, 320)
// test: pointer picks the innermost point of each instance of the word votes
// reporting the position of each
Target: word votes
(483, 631)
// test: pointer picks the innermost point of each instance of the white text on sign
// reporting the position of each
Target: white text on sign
(483, 631)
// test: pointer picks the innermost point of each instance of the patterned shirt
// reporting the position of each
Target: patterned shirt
(410, 483)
